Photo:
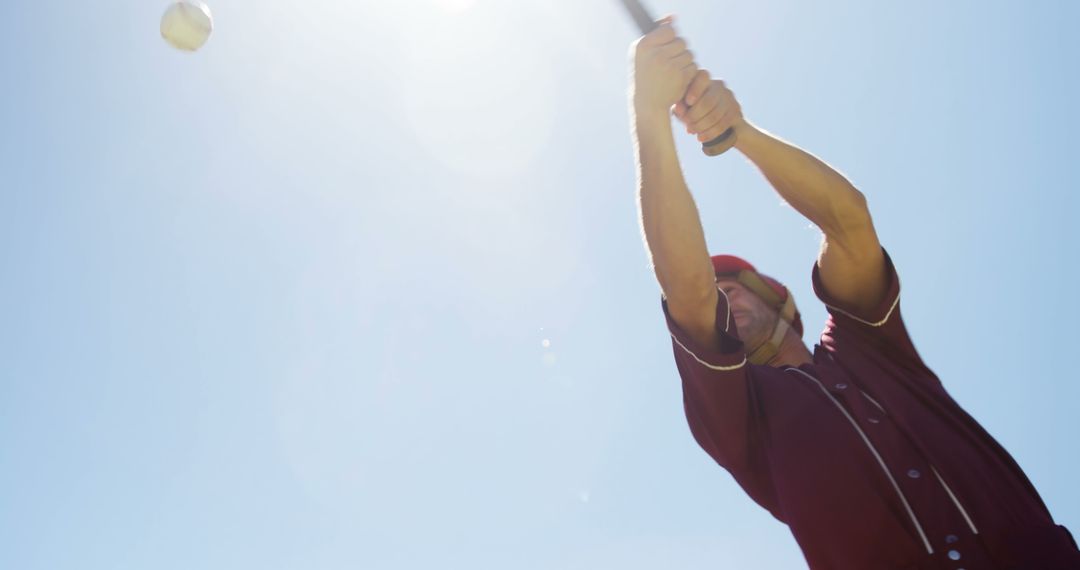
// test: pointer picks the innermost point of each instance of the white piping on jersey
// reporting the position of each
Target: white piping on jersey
(875, 402)
(877, 324)
(955, 501)
(727, 304)
(881, 462)
(706, 364)
(727, 324)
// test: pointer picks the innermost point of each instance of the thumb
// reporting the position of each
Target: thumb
(680, 109)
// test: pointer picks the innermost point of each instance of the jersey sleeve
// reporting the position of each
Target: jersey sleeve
(879, 330)
(716, 390)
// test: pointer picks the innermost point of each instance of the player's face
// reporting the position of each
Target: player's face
(754, 319)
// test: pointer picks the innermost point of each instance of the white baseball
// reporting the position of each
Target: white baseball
(187, 24)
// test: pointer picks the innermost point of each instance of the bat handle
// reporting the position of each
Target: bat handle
(720, 144)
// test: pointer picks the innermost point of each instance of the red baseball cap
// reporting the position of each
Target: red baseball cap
(732, 266)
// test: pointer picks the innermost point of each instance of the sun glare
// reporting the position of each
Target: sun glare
(477, 97)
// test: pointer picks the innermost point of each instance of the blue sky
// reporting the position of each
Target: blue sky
(360, 284)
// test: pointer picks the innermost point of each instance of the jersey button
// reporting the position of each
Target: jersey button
(914, 473)
(954, 555)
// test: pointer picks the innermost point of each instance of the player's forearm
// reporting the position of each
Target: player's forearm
(669, 217)
(812, 187)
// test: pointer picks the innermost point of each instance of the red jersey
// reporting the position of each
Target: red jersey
(863, 454)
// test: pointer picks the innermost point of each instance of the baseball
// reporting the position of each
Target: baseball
(187, 24)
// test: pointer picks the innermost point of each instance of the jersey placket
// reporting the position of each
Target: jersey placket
(944, 527)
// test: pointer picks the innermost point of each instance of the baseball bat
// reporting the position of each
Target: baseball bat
(646, 24)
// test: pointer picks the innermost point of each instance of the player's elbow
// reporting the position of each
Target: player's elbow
(849, 216)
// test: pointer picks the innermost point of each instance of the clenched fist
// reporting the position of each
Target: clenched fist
(663, 69)
(709, 108)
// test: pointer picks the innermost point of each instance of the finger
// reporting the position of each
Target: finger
(705, 114)
(708, 104)
(683, 61)
(672, 48)
(688, 73)
(719, 128)
(710, 124)
(706, 122)
(697, 88)
(662, 35)
(679, 110)
(702, 122)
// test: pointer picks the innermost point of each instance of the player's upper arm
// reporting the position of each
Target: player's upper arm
(695, 314)
(851, 262)
(707, 349)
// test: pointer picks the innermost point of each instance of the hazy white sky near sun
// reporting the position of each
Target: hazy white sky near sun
(360, 284)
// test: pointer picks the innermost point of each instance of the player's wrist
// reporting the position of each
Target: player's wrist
(748, 135)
